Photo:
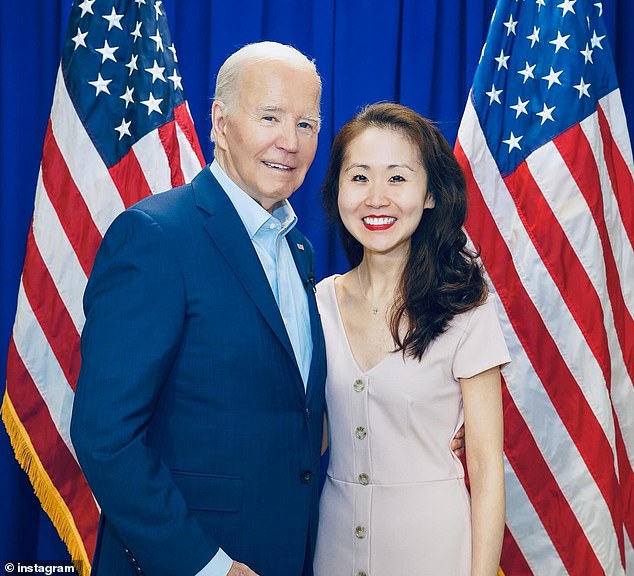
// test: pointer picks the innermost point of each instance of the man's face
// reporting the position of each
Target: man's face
(267, 141)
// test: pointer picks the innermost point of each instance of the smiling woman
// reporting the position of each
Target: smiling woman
(383, 190)
(405, 325)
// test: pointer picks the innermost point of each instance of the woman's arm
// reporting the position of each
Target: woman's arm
(482, 401)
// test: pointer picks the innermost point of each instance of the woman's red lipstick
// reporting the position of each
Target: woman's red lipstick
(378, 222)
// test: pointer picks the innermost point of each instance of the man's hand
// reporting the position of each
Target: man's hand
(457, 443)
(238, 569)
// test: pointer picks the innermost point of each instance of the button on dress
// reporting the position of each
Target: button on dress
(394, 500)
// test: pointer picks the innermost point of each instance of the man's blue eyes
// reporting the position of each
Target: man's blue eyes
(302, 125)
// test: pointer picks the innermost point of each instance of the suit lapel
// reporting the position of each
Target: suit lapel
(302, 254)
(223, 224)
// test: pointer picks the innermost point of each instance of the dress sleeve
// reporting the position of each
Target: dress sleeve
(482, 344)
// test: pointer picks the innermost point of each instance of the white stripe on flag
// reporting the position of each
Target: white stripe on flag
(527, 529)
(190, 164)
(154, 162)
(619, 241)
(40, 361)
(612, 105)
(58, 255)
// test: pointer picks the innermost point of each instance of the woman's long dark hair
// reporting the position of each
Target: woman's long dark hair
(441, 277)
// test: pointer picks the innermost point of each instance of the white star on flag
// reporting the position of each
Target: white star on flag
(595, 41)
(520, 107)
(560, 41)
(502, 60)
(159, 41)
(510, 25)
(153, 104)
(494, 95)
(86, 7)
(534, 37)
(582, 87)
(546, 113)
(114, 20)
(100, 84)
(157, 72)
(107, 52)
(132, 64)
(136, 33)
(513, 142)
(80, 39)
(567, 6)
(552, 77)
(527, 72)
(123, 128)
(176, 79)
(127, 96)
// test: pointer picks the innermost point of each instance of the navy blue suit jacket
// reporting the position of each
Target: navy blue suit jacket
(190, 419)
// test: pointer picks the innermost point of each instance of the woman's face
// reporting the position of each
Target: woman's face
(382, 190)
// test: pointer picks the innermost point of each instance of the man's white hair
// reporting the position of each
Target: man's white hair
(228, 79)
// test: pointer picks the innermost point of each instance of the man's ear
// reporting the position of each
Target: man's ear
(218, 123)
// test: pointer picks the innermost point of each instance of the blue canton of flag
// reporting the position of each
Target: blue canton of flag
(121, 71)
(539, 74)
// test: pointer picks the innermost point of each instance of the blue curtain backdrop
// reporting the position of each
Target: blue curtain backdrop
(422, 53)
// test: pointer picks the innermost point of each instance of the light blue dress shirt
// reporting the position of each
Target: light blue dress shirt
(267, 232)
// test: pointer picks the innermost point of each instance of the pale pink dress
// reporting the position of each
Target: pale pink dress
(395, 501)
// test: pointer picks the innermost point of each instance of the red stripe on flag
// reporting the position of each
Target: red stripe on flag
(169, 140)
(51, 312)
(129, 179)
(560, 385)
(186, 124)
(620, 176)
(576, 151)
(541, 486)
(626, 476)
(68, 203)
(553, 248)
(51, 450)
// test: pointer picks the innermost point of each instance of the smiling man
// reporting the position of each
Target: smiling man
(203, 353)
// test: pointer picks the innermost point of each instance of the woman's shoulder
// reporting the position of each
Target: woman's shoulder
(326, 282)
(482, 312)
(325, 294)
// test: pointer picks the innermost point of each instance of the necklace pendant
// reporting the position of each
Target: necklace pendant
(375, 310)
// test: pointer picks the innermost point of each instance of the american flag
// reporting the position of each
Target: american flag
(119, 130)
(548, 161)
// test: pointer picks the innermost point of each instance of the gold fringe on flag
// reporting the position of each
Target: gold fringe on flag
(50, 499)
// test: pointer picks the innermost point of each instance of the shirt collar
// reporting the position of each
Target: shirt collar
(253, 216)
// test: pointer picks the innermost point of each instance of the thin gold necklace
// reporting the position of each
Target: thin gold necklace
(373, 307)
